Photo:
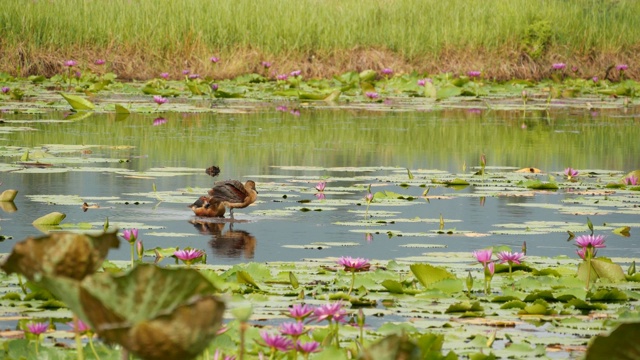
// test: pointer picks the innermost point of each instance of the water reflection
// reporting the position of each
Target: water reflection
(232, 243)
(8, 206)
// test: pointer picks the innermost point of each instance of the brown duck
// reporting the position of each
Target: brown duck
(233, 194)
(208, 207)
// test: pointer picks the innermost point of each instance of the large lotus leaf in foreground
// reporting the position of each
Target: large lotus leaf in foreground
(621, 344)
(153, 312)
(64, 254)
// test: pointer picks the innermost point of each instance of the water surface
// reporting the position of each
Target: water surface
(345, 146)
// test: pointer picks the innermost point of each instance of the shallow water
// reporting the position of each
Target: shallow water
(347, 146)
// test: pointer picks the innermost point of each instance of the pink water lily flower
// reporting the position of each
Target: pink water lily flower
(266, 64)
(81, 328)
(214, 59)
(582, 252)
(330, 312)
(164, 75)
(321, 185)
(372, 95)
(590, 241)
(559, 66)
(308, 347)
(296, 73)
(130, 235)
(571, 173)
(387, 71)
(631, 180)
(188, 254)
(293, 329)
(354, 264)
(282, 77)
(622, 67)
(70, 63)
(473, 74)
(483, 256)
(5, 89)
(38, 328)
(159, 99)
(510, 257)
(301, 311)
(100, 62)
(276, 342)
(368, 198)
(492, 268)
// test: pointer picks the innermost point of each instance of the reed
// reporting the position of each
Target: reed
(143, 37)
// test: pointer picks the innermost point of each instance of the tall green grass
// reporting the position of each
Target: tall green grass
(408, 28)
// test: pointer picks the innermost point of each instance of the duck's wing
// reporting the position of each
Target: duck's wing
(232, 191)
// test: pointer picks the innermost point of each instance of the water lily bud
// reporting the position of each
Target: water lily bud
(469, 282)
(140, 249)
(361, 318)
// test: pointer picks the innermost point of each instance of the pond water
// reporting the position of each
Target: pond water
(116, 163)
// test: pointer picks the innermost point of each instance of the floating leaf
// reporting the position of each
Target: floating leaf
(77, 102)
(601, 268)
(8, 195)
(464, 307)
(609, 295)
(53, 218)
(622, 231)
(539, 185)
(428, 274)
(245, 278)
(293, 280)
(393, 286)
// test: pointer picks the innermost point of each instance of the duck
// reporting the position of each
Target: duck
(206, 206)
(233, 194)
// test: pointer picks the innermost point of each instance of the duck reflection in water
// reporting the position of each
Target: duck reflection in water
(231, 243)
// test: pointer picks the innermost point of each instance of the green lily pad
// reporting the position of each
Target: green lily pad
(77, 102)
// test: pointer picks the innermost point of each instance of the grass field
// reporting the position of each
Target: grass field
(141, 38)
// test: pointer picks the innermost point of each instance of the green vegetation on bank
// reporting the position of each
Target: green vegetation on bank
(142, 38)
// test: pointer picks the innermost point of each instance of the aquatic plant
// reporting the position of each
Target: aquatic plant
(510, 258)
(321, 186)
(188, 255)
(353, 265)
(630, 180)
(334, 313)
(300, 311)
(372, 95)
(276, 342)
(589, 246)
(159, 100)
(484, 257)
(131, 235)
(37, 329)
(571, 173)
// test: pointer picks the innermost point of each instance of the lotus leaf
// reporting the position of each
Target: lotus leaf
(63, 254)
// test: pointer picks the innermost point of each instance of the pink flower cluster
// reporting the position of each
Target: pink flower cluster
(588, 245)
